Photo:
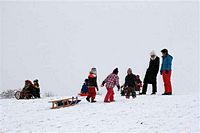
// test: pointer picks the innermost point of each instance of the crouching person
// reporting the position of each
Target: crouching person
(28, 90)
(110, 82)
(84, 89)
(130, 84)
(92, 85)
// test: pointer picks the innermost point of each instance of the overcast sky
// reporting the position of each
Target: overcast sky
(58, 42)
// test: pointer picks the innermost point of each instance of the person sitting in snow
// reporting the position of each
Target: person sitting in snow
(28, 90)
(130, 84)
(84, 89)
(110, 82)
(92, 85)
(28, 86)
(37, 88)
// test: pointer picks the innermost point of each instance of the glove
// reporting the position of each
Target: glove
(166, 72)
(97, 88)
(102, 85)
(118, 87)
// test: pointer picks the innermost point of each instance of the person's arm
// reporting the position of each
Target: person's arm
(169, 63)
(161, 68)
(103, 83)
(96, 85)
(126, 81)
(117, 83)
(157, 65)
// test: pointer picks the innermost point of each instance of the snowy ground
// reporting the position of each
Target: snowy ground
(177, 113)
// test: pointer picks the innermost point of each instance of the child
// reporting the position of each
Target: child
(130, 84)
(84, 89)
(92, 85)
(110, 82)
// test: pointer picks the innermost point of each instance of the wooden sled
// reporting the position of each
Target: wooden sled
(56, 104)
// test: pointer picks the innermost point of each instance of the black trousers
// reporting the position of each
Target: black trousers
(154, 88)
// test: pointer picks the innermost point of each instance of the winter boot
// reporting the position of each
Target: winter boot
(93, 101)
(169, 93)
(88, 99)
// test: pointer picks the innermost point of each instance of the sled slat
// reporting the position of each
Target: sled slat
(64, 102)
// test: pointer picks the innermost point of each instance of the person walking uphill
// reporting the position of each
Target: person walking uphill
(166, 70)
(110, 82)
(151, 74)
(92, 85)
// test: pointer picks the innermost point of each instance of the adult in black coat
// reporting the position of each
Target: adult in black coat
(151, 74)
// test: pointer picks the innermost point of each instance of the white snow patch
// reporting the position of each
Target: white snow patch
(177, 113)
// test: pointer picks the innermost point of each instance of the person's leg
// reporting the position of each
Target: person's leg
(89, 95)
(112, 94)
(154, 88)
(93, 94)
(144, 88)
(133, 92)
(167, 82)
(128, 92)
(107, 97)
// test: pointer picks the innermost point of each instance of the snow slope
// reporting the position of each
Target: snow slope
(177, 113)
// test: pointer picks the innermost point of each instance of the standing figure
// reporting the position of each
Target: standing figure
(130, 84)
(166, 70)
(110, 82)
(151, 74)
(92, 85)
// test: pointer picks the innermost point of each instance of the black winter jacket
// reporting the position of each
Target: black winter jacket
(130, 80)
(152, 71)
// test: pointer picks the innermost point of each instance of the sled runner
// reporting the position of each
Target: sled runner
(23, 95)
(64, 102)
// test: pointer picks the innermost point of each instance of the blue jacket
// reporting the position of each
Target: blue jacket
(166, 63)
(84, 88)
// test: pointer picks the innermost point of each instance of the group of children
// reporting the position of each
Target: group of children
(132, 81)
(132, 84)
(31, 88)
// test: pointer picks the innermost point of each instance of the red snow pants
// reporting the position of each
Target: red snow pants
(109, 96)
(92, 93)
(167, 81)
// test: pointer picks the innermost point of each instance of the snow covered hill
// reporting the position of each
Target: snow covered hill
(177, 113)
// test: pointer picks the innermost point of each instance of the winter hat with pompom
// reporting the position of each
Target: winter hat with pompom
(115, 71)
(153, 55)
(93, 71)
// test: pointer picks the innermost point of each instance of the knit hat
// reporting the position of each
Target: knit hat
(152, 53)
(93, 71)
(129, 70)
(115, 71)
(35, 81)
